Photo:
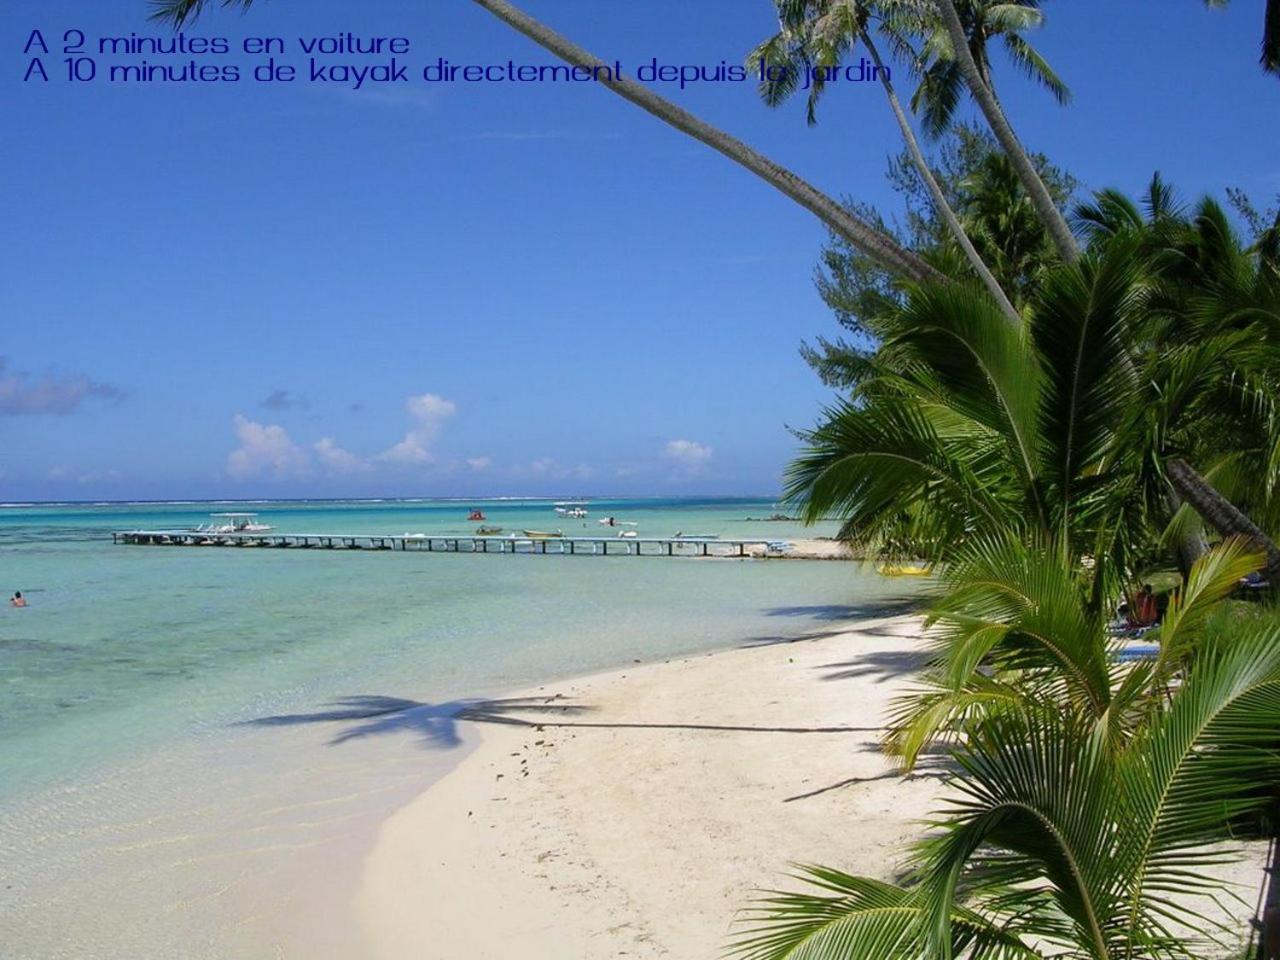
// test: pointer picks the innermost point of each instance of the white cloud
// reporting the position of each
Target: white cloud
(265, 449)
(541, 465)
(689, 454)
(427, 414)
(479, 463)
(335, 459)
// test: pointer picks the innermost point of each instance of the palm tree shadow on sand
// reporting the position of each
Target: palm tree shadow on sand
(845, 617)
(436, 724)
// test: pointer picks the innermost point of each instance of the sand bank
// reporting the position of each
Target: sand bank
(638, 812)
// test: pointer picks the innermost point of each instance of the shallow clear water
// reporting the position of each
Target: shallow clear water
(186, 734)
(124, 647)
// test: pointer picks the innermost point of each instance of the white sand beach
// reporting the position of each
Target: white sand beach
(632, 813)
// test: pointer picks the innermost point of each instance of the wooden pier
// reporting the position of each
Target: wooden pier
(452, 543)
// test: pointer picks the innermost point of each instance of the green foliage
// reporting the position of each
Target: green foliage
(981, 186)
(1160, 342)
(961, 425)
(1091, 798)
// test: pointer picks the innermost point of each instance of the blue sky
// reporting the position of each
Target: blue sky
(245, 290)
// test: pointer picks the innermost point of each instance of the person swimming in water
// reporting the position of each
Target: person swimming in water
(17, 600)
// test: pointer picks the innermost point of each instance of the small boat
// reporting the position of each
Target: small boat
(696, 536)
(542, 534)
(571, 508)
(913, 569)
(628, 534)
(488, 531)
(476, 515)
(413, 536)
(233, 523)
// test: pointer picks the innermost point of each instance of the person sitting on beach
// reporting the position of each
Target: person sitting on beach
(17, 600)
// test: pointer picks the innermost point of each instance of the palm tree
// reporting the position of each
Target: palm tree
(1018, 626)
(819, 34)
(1086, 812)
(941, 82)
(961, 426)
(838, 217)
(1214, 349)
(984, 96)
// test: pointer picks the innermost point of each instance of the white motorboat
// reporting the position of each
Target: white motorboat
(233, 523)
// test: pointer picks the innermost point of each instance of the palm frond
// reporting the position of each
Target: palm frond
(857, 918)
(180, 13)
(1083, 322)
(1212, 578)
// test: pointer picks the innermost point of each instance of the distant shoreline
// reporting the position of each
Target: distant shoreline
(693, 499)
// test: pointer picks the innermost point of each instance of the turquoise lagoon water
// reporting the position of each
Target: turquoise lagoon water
(123, 648)
(190, 739)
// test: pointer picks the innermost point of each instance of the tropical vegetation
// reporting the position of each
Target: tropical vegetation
(1046, 464)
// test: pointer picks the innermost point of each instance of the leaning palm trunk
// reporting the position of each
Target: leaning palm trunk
(880, 247)
(1188, 540)
(1041, 199)
(935, 191)
(1220, 513)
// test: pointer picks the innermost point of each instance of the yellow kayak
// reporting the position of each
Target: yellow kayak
(905, 569)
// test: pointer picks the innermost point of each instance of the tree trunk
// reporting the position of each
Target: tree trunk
(1221, 514)
(1041, 199)
(880, 247)
(1191, 546)
(1190, 543)
(939, 198)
